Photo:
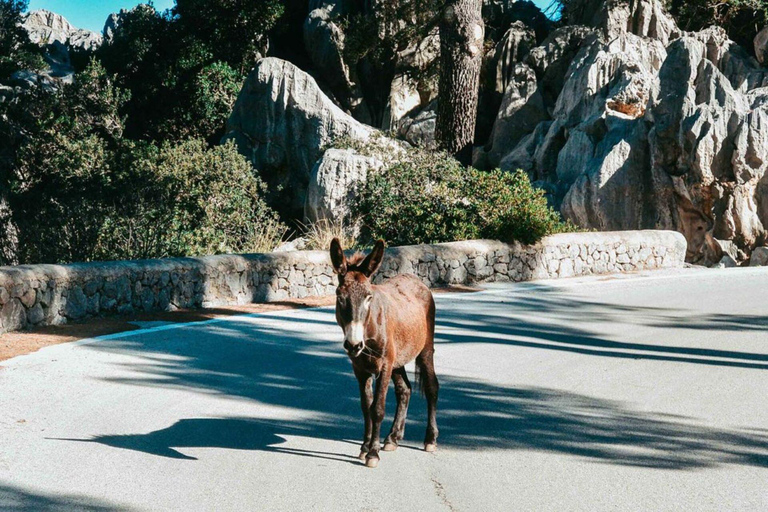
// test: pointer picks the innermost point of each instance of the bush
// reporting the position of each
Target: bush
(78, 191)
(187, 199)
(430, 197)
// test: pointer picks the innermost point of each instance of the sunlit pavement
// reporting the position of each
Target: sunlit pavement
(647, 392)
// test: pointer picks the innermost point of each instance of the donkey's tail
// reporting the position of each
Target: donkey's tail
(419, 377)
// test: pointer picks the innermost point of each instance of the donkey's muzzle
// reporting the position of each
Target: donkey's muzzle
(353, 350)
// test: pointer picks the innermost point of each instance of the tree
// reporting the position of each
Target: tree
(16, 51)
(234, 31)
(461, 52)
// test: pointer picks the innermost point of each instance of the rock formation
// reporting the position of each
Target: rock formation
(630, 123)
(45, 27)
(283, 123)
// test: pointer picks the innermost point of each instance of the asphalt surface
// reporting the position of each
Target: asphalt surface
(627, 393)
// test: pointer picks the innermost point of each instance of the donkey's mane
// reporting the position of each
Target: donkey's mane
(354, 261)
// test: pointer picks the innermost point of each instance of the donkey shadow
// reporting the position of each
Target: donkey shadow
(223, 433)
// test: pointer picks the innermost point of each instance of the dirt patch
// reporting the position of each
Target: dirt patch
(18, 343)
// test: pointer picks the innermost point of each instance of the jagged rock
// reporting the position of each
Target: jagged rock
(45, 27)
(647, 128)
(282, 122)
(522, 109)
(761, 46)
(726, 262)
(335, 182)
(498, 72)
(530, 97)
(407, 93)
(324, 42)
(645, 18)
(551, 60)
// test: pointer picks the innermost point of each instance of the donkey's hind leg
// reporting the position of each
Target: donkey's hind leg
(403, 395)
(430, 387)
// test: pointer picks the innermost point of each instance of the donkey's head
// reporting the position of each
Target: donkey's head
(355, 293)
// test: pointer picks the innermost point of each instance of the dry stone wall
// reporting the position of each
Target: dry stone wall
(37, 295)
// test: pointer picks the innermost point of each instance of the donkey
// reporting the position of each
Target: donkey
(385, 327)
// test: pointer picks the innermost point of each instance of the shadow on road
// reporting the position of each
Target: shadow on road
(15, 499)
(287, 367)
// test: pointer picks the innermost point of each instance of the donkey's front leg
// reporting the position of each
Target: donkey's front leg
(365, 381)
(378, 408)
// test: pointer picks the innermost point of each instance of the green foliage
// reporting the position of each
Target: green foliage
(195, 55)
(741, 19)
(212, 96)
(430, 197)
(78, 191)
(233, 30)
(187, 199)
(16, 51)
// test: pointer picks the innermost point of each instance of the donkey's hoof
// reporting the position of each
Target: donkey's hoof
(372, 462)
(363, 455)
(390, 447)
(431, 447)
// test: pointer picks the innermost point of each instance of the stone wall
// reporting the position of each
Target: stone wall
(55, 294)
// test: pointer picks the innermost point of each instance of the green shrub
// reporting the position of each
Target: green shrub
(76, 190)
(430, 197)
(186, 199)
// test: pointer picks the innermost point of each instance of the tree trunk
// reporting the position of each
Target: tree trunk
(461, 55)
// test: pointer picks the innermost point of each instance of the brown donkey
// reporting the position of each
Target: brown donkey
(385, 327)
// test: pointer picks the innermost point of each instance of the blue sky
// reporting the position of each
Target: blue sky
(91, 14)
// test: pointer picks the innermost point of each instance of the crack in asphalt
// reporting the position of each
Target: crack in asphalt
(440, 493)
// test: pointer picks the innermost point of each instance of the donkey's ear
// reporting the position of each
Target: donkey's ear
(338, 260)
(372, 262)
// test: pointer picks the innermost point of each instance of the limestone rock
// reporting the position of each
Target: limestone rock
(645, 18)
(283, 122)
(324, 42)
(499, 70)
(761, 46)
(408, 94)
(46, 27)
(646, 128)
(335, 182)
(419, 129)
(759, 257)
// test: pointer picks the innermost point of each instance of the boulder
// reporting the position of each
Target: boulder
(324, 43)
(759, 257)
(335, 182)
(418, 128)
(761, 46)
(282, 122)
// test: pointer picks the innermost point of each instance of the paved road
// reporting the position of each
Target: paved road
(642, 393)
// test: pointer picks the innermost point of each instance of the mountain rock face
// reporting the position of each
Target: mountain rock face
(46, 27)
(629, 123)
